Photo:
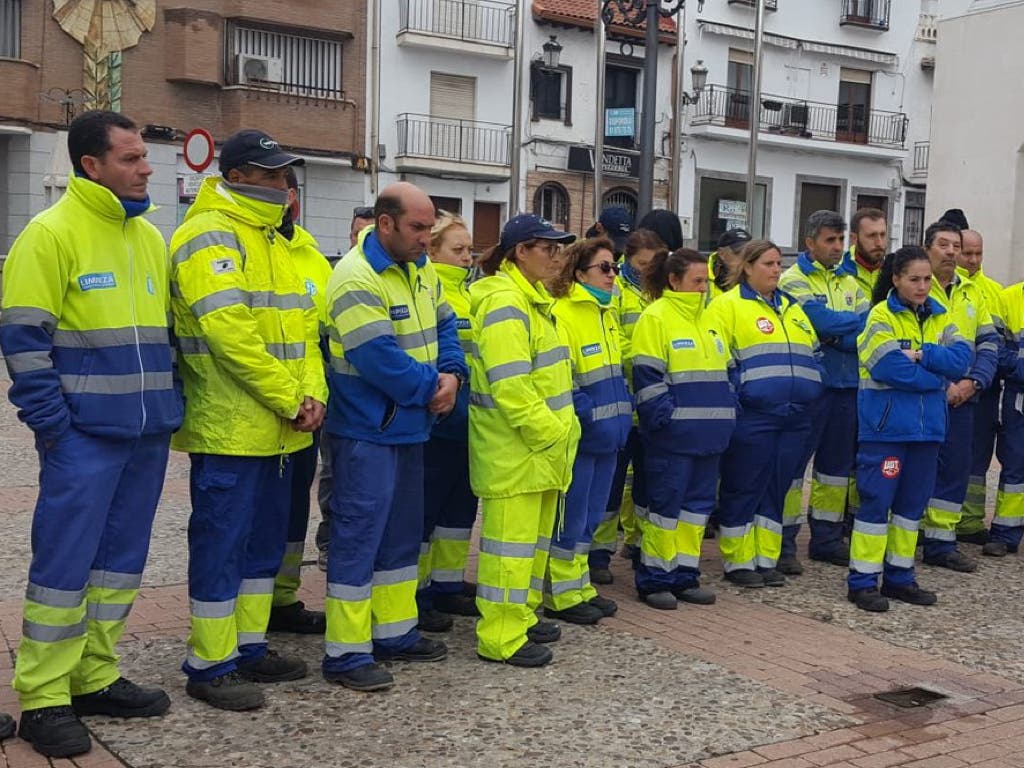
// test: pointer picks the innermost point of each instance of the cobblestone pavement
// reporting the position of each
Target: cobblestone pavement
(775, 678)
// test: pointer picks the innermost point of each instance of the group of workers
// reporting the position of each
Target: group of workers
(561, 389)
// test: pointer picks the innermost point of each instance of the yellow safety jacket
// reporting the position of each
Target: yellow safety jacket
(866, 278)
(968, 310)
(993, 292)
(523, 431)
(247, 329)
(84, 325)
(314, 269)
(456, 291)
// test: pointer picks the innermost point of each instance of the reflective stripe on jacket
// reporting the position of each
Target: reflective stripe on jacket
(684, 399)
(602, 402)
(523, 431)
(900, 400)
(84, 324)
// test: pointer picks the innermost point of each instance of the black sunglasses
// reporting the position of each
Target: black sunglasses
(363, 212)
(605, 267)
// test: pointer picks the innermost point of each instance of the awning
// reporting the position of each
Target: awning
(782, 41)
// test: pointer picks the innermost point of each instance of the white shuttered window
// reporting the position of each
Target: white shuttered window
(310, 66)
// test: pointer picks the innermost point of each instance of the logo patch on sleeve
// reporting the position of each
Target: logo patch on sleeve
(96, 280)
(463, 323)
(683, 344)
(891, 468)
(310, 287)
(399, 312)
(591, 349)
(223, 266)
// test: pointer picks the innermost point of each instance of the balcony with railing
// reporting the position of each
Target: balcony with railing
(870, 14)
(769, 5)
(484, 27)
(922, 150)
(843, 123)
(469, 148)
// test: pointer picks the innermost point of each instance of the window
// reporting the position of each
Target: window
(551, 93)
(721, 207)
(298, 64)
(620, 92)
(623, 197)
(740, 83)
(551, 202)
(10, 29)
(913, 219)
(853, 106)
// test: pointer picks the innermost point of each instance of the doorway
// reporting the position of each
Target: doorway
(486, 225)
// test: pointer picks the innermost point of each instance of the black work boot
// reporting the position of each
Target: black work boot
(529, 655)
(122, 698)
(662, 601)
(458, 605)
(601, 576)
(772, 577)
(54, 732)
(432, 620)
(909, 593)
(7, 726)
(955, 561)
(606, 606)
(369, 677)
(581, 613)
(868, 600)
(976, 537)
(789, 565)
(272, 667)
(995, 549)
(745, 578)
(231, 692)
(544, 632)
(695, 594)
(423, 649)
(296, 618)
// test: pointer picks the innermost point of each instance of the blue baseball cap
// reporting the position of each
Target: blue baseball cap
(617, 224)
(529, 226)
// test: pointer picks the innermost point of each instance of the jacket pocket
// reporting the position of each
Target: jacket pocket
(390, 411)
(884, 417)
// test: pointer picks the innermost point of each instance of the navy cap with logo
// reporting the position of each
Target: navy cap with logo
(617, 224)
(732, 238)
(252, 147)
(529, 226)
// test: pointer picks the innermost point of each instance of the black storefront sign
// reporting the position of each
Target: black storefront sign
(616, 163)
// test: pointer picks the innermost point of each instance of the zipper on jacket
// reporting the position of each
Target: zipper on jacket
(135, 323)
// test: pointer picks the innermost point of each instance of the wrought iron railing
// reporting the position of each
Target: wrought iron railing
(769, 5)
(478, 21)
(849, 123)
(464, 141)
(873, 14)
(922, 149)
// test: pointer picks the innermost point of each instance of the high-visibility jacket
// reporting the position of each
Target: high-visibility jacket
(455, 426)
(900, 400)
(630, 301)
(837, 307)
(866, 278)
(523, 431)
(993, 292)
(968, 310)
(392, 333)
(247, 328)
(602, 402)
(314, 269)
(84, 325)
(684, 399)
(775, 365)
(1012, 355)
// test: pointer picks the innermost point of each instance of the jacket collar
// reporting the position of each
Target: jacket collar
(97, 198)
(451, 274)
(690, 304)
(779, 300)
(894, 304)
(535, 292)
(376, 256)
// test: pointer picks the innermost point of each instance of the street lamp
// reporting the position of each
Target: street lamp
(552, 52)
(698, 79)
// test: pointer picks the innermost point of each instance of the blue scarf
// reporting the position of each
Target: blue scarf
(630, 274)
(132, 208)
(604, 298)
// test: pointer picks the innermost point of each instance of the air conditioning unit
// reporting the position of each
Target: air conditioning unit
(259, 70)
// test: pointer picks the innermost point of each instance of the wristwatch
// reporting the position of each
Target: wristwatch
(462, 379)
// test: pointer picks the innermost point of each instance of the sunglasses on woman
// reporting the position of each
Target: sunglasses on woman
(605, 267)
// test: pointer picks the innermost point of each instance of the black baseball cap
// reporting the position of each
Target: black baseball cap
(734, 237)
(617, 224)
(529, 226)
(252, 147)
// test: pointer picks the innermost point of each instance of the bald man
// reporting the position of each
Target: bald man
(396, 366)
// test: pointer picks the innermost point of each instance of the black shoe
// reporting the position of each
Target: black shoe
(978, 537)
(839, 557)
(231, 692)
(868, 600)
(544, 632)
(630, 552)
(955, 561)
(661, 601)
(909, 593)
(459, 605)
(297, 619)
(54, 732)
(369, 677)
(529, 655)
(581, 613)
(995, 549)
(423, 649)
(789, 565)
(772, 578)
(7, 726)
(696, 595)
(434, 621)
(272, 667)
(321, 560)
(122, 698)
(604, 605)
(601, 576)
(745, 578)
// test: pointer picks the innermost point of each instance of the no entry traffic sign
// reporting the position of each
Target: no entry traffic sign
(198, 149)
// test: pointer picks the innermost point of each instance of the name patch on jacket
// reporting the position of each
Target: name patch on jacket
(223, 266)
(95, 280)
(591, 349)
(399, 312)
(683, 344)
(904, 343)
(463, 323)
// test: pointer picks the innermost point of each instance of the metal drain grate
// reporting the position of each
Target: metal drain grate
(908, 698)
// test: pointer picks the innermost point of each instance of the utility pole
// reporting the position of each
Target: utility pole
(599, 38)
(755, 115)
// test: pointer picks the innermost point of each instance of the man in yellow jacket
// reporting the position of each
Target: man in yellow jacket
(254, 389)
(84, 334)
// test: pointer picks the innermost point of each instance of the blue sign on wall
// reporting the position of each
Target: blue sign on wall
(620, 121)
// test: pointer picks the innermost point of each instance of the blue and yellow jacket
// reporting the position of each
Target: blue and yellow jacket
(600, 397)
(866, 278)
(392, 332)
(455, 426)
(84, 324)
(684, 399)
(968, 310)
(1011, 359)
(900, 400)
(837, 308)
(775, 366)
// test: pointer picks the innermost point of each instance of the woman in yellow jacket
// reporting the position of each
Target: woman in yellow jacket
(586, 315)
(523, 433)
